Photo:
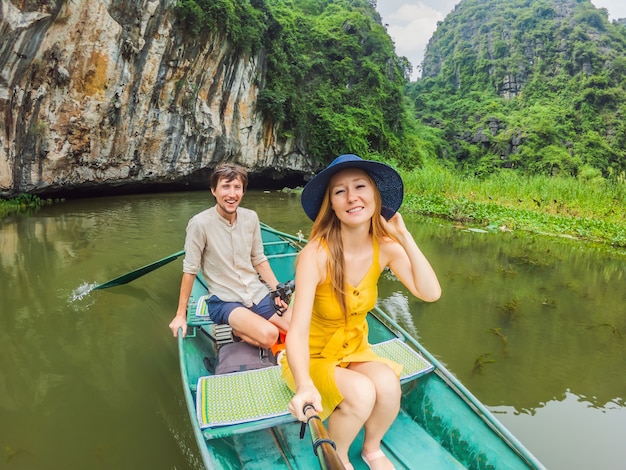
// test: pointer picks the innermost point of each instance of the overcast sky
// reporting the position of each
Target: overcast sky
(411, 23)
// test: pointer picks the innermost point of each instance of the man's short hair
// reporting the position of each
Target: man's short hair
(229, 172)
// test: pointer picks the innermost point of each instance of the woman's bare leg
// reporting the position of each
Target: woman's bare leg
(385, 410)
(348, 418)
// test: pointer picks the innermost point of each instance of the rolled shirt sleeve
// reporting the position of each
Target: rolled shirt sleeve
(195, 241)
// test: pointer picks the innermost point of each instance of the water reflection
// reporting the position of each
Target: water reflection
(578, 431)
(534, 327)
(549, 314)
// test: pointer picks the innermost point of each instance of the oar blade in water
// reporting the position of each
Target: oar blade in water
(131, 276)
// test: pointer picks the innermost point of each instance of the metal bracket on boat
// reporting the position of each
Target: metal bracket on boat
(223, 334)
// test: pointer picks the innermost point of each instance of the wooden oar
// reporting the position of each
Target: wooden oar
(323, 446)
(131, 276)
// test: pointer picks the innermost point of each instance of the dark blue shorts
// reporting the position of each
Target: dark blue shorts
(219, 311)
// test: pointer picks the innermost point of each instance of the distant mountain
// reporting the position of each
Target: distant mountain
(536, 85)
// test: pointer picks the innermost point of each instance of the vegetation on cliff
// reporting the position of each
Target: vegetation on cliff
(332, 79)
(534, 85)
(538, 86)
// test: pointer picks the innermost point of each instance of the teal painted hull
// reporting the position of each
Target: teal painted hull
(441, 425)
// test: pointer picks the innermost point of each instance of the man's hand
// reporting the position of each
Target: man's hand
(282, 296)
(176, 323)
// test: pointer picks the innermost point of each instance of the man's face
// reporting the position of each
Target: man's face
(228, 196)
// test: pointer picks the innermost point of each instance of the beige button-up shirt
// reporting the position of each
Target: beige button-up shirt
(227, 254)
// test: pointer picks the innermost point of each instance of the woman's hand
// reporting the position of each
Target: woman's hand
(304, 395)
(407, 261)
(395, 226)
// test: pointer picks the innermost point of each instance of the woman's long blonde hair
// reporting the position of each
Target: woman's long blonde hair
(327, 229)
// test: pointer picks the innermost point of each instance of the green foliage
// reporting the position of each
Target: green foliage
(342, 84)
(589, 207)
(23, 203)
(555, 83)
(242, 22)
(272, 104)
(553, 160)
(595, 151)
(332, 79)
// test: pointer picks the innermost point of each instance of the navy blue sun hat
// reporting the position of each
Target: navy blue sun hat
(387, 180)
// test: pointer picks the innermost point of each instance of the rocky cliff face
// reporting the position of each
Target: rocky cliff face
(507, 36)
(105, 93)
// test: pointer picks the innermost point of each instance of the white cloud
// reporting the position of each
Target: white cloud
(411, 27)
(412, 24)
(616, 8)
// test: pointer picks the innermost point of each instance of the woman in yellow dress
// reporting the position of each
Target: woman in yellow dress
(357, 233)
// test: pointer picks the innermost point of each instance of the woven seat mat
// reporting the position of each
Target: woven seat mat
(254, 395)
(398, 351)
(241, 397)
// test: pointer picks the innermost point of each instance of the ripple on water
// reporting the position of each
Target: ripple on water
(397, 307)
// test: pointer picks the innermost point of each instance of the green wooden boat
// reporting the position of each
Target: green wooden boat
(240, 420)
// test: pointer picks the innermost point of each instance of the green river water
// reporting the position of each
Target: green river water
(535, 327)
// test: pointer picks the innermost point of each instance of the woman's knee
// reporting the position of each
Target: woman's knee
(359, 395)
(384, 380)
(386, 377)
(387, 385)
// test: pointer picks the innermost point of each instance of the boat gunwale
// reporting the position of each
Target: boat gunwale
(207, 459)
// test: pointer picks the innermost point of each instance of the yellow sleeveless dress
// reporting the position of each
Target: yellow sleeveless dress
(336, 340)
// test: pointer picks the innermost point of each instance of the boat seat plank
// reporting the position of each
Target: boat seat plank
(257, 395)
(414, 364)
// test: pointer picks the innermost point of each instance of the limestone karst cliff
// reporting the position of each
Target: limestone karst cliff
(105, 93)
(536, 86)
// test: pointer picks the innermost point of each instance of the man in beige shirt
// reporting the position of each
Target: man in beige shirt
(225, 242)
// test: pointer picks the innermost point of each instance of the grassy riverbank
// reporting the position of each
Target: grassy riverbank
(589, 208)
